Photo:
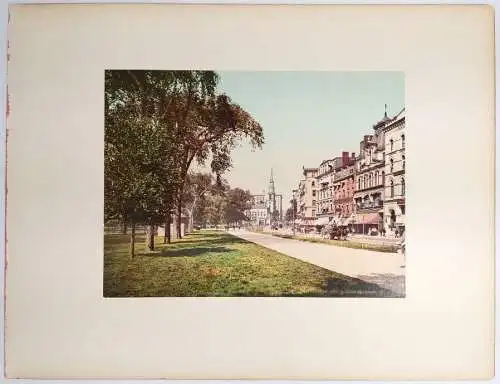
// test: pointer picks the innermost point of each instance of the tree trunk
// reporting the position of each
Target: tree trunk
(174, 225)
(124, 227)
(179, 213)
(179, 220)
(167, 238)
(191, 221)
(132, 240)
(191, 215)
(150, 237)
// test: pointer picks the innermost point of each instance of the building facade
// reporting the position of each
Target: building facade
(344, 186)
(308, 195)
(366, 192)
(324, 205)
(369, 182)
(395, 182)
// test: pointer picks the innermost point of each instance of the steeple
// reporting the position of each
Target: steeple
(384, 120)
(271, 184)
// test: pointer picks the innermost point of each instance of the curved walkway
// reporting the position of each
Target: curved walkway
(384, 269)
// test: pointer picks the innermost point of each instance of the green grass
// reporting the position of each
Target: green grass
(218, 264)
(341, 243)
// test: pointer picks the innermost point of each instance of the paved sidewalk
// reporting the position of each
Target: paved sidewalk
(384, 269)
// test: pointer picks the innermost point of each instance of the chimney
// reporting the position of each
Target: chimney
(345, 158)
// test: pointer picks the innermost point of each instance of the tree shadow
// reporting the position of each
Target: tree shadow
(394, 284)
(186, 252)
(208, 238)
(203, 241)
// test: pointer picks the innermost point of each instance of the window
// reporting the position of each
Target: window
(359, 183)
(377, 181)
(392, 145)
(392, 188)
(314, 193)
(403, 187)
(402, 141)
(404, 161)
(312, 183)
(392, 165)
(314, 212)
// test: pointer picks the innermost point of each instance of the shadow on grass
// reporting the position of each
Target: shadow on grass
(394, 284)
(205, 240)
(186, 252)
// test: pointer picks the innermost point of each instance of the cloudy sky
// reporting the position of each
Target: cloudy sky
(307, 117)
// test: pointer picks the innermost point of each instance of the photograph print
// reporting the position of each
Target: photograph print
(254, 184)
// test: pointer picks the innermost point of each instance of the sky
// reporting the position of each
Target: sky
(307, 117)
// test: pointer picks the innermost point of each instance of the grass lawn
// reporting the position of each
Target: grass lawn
(217, 264)
(341, 243)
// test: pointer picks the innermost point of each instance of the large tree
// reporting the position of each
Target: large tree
(140, 152)
(157, 123)
(210, 127)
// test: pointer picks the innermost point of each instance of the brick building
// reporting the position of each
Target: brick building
(344, 186)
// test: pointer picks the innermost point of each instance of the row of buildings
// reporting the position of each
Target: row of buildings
(364, 191)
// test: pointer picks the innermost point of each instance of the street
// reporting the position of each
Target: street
(384, 269)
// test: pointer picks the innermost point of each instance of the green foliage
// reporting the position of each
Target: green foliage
(156, 124)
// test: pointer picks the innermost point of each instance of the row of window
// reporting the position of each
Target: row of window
(392, 185)
(366, 203)
(345, 209)
(370, 180)
(391, 163)
(391, 143)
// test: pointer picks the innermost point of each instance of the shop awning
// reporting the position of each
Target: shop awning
(369, 218)
(348, 220)
(322, 220)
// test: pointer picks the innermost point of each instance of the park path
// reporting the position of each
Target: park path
(384, 269)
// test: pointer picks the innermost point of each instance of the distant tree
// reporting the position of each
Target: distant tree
(197, 185)
(291, 212)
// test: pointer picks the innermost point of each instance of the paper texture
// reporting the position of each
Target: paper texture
(57, 323)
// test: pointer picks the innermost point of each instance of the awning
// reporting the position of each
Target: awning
(348, 220)
(369, 218)
(322, 220)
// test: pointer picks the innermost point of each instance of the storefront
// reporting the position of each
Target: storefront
(367, 223)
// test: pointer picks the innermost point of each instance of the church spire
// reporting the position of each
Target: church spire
(271, 183)
(385, 113)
